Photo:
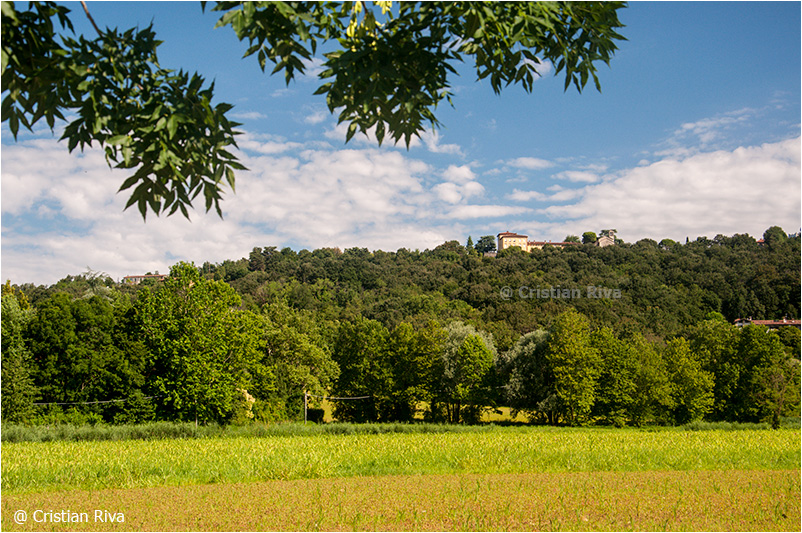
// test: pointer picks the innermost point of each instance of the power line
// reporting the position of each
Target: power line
(307, 396)
(89, 403)
(339, 398)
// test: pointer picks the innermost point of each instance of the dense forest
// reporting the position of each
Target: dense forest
(628, 334)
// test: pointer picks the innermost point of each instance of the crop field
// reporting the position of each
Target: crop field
(504, 479)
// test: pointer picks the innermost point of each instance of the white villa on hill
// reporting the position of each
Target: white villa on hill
(507, 239)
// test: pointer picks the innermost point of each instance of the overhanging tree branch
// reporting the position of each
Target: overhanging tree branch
(387, 72)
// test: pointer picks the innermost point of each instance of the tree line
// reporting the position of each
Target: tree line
(416, 335)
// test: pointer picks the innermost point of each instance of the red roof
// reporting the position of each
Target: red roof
(783, 322)
(550, 242)
(769, 323)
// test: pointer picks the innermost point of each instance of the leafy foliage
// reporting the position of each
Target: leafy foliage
(464, 373)
(382, 72)
(18, 389)
(389, 71)
(576, 365)
(691, 386)
(200, 346)
(155, 120)
(528, 378)
(411, 332)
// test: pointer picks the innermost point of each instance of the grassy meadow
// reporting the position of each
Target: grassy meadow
(497, 478)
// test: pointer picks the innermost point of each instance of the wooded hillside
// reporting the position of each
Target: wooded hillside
(625, 334)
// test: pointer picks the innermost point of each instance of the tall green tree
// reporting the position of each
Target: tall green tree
(617, 389)
(691, 386)
(18, 388)
(201, 345)
(412, 355)
(652, 385)
(359, 349)
(791, 337)
(776, 389)
(769, 379)
(386, 68)
(589, 237)
(295, 360)
(576, 365)
(73, 345)
(633, 385)
(465, 371)
(528, 379)
(758, 350)
(485, 244)
(774, 237)
(714, 344)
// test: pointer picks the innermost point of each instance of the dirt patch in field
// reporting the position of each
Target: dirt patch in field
(689, 500)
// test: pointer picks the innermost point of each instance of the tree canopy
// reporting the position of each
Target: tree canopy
(417, 335)
(386, 68)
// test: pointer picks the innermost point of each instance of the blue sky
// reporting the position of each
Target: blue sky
(696, 133)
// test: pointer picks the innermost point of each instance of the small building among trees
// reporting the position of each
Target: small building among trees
(508, 239)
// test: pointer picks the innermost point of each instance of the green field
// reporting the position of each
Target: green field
(503, 478)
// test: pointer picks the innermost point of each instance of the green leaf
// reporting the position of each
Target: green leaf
(119, 140)
(172, 126)
(230, 178)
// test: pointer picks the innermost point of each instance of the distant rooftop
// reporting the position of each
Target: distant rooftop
(142, 277)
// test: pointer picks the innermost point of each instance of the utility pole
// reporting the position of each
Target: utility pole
(305, 404)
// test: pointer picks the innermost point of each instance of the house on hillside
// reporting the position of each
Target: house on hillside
(136, 280)
(508, 239)
(607, 238)
(770, 324)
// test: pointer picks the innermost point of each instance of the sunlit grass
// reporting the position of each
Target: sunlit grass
(47, 466)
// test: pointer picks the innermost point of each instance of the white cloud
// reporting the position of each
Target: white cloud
(449, 192)
(312, 68)
(61, 212)
(266, 145)
(316, 117)
(707, 134)
(482, 211)
(526, 196)
(460, 185)
(249, 115)
(559, 194)
(597, 168)
(454, 193)
(432, 141)
(43, 170)
(577, 176)
(745, 190)
(562, 194)
(459, 174)
(283, 92)
(530, 163)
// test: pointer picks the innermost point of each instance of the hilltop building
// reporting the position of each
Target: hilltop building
(607, 238)
(770, 324)
(508, 239)
(136, 280)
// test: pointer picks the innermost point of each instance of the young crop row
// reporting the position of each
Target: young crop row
(49, 466)
(728, 500)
